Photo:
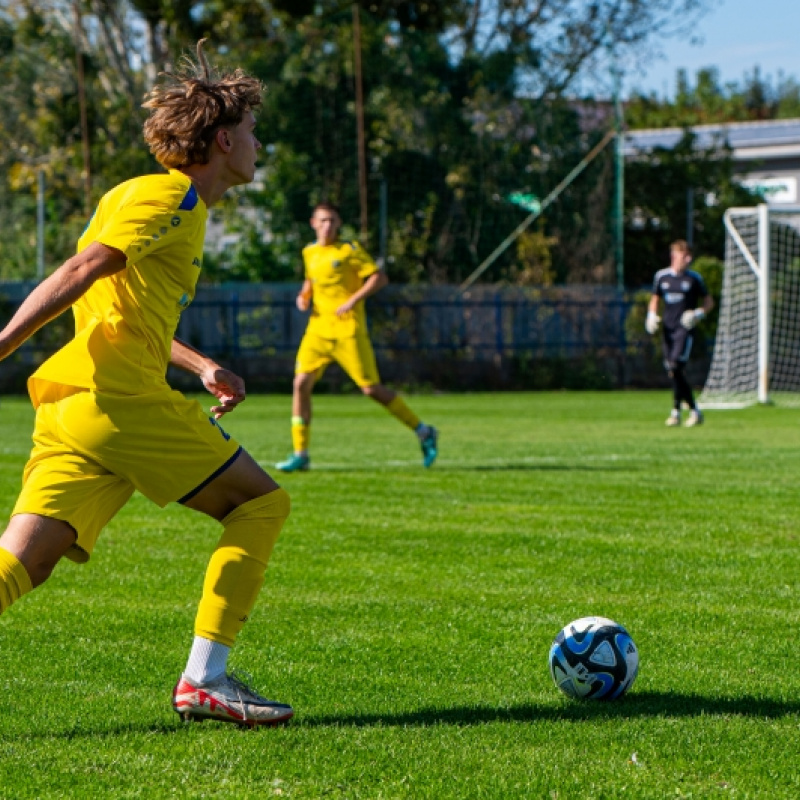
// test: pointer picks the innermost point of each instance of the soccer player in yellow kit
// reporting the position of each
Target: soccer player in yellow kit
(339, 276)
(107, 423)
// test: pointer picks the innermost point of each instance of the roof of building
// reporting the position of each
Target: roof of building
(779, 138)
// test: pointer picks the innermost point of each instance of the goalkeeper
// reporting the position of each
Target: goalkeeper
(107, 422)
(682, 291)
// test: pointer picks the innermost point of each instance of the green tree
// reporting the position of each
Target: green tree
(707, 101)
(465, 103)
(656, 204)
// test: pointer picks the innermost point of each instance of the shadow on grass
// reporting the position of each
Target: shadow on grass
(640, 705)
(646, 704)
(512, 467)
(535, 468)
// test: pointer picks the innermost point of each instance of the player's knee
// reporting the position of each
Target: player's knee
(254, 527)
(273, 505)
(280, 505)
(303, 382)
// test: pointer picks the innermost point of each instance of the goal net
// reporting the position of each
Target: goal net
(757, 350)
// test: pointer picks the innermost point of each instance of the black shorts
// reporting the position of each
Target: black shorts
(677, 346)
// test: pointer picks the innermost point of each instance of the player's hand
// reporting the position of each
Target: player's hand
(227, 387)
(303, 301)
(691, 317)
(652, 322)
(345, 308)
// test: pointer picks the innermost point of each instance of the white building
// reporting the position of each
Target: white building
(766, 155)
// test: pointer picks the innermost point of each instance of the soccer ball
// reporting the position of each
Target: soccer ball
(594, 658)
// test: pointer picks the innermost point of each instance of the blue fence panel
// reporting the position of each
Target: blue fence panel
(246, 320)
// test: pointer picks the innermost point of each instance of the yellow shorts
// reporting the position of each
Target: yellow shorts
(354, 354)
(91, 451)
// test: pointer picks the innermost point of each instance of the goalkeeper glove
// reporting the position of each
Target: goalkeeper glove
(691, 317)
(652, 322)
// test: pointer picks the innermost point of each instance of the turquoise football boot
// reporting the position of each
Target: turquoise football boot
(295, 463)
(430, 447)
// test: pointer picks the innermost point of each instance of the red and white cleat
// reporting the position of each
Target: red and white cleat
(227, 699)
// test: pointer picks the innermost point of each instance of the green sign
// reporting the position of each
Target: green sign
(530, 202)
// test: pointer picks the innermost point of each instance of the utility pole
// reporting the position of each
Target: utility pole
(40, 225)
(81, 77)
(619, 176)
(362, 156)
(384, 225)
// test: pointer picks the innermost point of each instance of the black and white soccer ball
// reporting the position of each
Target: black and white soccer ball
(594, 658)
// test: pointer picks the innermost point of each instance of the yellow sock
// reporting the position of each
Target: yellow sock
(236, 569)
(301, 435)
(399, 409)
(14, 579)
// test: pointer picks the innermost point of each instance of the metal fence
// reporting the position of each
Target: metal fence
(566, 322)
(436, 334)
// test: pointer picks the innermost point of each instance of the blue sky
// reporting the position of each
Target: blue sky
(735, 35)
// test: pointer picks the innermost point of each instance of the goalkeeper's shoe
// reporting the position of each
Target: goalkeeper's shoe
(227, 699)
(673, 420)
(295, 463)
(695, 418)
(430, 446)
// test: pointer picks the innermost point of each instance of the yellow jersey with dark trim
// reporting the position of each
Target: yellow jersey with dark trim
(336, 271)
(125, 323)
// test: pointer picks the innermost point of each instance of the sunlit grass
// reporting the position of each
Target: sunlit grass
(407, 614)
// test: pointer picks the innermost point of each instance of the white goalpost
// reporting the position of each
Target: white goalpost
(757, 350)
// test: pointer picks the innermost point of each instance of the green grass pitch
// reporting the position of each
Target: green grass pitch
(407, 614)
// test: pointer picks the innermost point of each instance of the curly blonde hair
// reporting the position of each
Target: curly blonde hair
(189, 108)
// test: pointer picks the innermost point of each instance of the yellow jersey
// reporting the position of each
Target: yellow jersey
(336, 271)
(125, 323)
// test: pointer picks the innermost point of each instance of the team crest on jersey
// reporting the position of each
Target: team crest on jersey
(175, 221)
(336, 264)
(196, 262)
(686, 285)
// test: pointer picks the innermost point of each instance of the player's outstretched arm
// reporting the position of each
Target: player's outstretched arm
(225, 385)
(374, 283)
(653, 320)
(303, 300)
(694, 316)
(58, 292)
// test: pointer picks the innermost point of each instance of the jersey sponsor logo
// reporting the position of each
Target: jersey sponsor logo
(673, 297)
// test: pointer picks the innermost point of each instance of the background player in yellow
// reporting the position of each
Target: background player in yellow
(339, 276)
(107, 422)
